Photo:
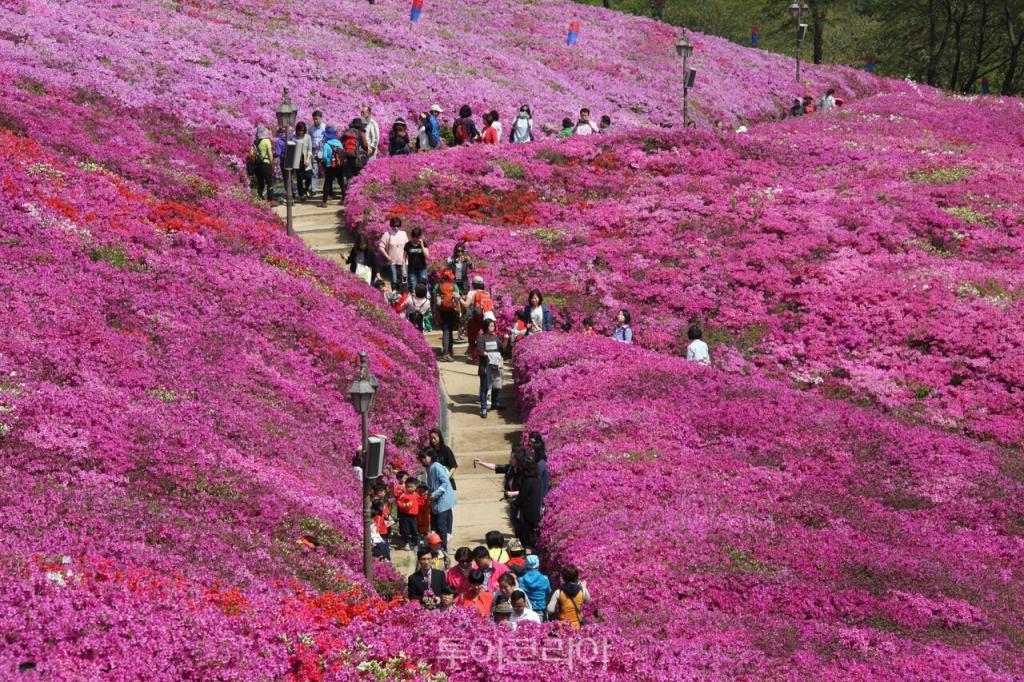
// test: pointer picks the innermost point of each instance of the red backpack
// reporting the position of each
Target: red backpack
(350, 141)
(446, 292)
(461, 133)
(482, 303)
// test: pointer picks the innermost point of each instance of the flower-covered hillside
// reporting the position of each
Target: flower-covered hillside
(873, 253)
(222, 65)
(743, 530)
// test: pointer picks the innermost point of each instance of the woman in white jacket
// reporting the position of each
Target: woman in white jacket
(302, 163)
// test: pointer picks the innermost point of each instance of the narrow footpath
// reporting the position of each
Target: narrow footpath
(479, 507)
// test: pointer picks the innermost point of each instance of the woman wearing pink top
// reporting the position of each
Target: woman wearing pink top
(392, 249)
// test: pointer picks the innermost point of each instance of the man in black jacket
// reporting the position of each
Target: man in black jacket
(425, 578)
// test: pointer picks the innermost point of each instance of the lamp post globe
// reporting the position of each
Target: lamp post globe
(286, 111)
(684, 48)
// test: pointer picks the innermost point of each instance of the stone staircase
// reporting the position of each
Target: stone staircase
(322, 229)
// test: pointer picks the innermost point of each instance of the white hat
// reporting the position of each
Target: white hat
(437, 108)
(489, 315)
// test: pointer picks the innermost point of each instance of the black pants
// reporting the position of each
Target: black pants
(330, 175)
(348, 171)
(407, 527)
(265, 181)
(305, 181)
(449, 323)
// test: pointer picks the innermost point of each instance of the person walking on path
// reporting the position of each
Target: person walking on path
(488, 347)
(535, 584)
(540, 456)
(442, 497)
(302, 163)
(356, 152)
(447, 302)
(398, 139)
(623, 333)
(392, 249)
(567, 601)
(372, 133)
(522, 128)
(464, 129)
(441, 453)
(416, 257)
(584, 126)
(478, 304)
(316, 134)
(697, 351)
(528, 501)
(495, 540)
(362, 259)
(263, 161)
(538, 317)
(426, 578)
(334, 159)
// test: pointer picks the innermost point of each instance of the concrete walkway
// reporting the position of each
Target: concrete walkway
(479, 508)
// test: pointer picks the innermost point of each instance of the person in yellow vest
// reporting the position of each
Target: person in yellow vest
(567, 601)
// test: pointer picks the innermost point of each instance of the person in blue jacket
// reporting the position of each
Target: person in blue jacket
(332, 146)
(434, 126)
(442, 497)
(535, 584)
(538, 317)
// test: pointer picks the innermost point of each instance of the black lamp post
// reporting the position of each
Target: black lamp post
(362, 393)
(797, 9)
(684, 48)
(285, 113)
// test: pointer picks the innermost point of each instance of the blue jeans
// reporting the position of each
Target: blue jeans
(396, 276)
(416, 276)
(441, 523)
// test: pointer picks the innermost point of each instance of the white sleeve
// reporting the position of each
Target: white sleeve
(553, 602)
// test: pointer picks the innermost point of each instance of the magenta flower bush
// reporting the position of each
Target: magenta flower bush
(872, 254)
(740, 529)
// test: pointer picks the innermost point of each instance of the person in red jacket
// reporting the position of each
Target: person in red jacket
(408, 503)
(423, 521)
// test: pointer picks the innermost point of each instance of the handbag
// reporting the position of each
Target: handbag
(364, 272)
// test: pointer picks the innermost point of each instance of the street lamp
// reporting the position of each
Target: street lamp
(285, 113)
(797, 10)
(362, 393)
(684, 48)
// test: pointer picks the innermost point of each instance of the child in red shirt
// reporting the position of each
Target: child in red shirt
(408, 503)
(423, 524)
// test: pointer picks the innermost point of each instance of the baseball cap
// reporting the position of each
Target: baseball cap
(477, 279)
(433, 539)
(437, 108)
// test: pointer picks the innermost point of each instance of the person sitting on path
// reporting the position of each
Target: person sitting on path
(623, 333)
(538, 317)
(464, 129)
(425, 578)
(392, 250)
(447, 301)
(458, 575)
(492, 570)
(442, 497)
(476, 596)
(567, 601)
(440, 452)
(697, 351)
(521, 611)
(408, 504)
(488, 347)
(535, 584)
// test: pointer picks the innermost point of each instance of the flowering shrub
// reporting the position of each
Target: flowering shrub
(873, 254)
(739, 529)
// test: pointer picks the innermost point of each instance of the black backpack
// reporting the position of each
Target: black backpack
(416, 318)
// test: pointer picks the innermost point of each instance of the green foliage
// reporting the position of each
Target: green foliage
(512, 170)
(941, 176)
(116, 256)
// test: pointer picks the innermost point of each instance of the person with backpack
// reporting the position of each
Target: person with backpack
(584, 126)
(447, 301)
(522, 128)
(567, 601)
(488, 348)
(538, 317)
(416, 256)
(417, 308)
(464, 129)
(261, 161)
(316, 133)
(490, 134)
(302, 163)
(392, 249)
(334, 158)
(434, 126)
(372, 133)
(478, 302)
(356, 150)
(398, 139)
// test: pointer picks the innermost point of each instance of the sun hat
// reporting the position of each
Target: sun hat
(503, 607)
(514, 545)
(437, 109)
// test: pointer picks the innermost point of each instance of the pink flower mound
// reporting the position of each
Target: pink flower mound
(222, 65)
(873, 254)
(739, 529)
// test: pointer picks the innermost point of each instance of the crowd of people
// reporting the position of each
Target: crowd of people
(501, 579)
(322, 157)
